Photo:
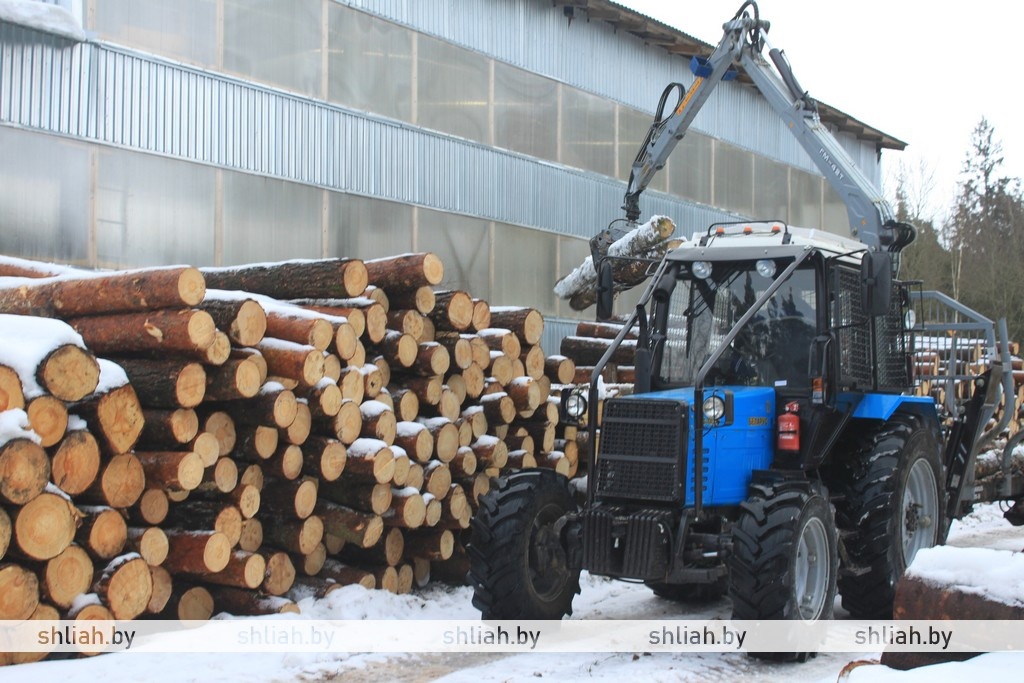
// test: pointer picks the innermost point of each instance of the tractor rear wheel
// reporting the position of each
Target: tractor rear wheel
(519, 566)
(893, 507)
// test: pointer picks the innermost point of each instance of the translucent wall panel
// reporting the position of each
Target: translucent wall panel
(270, 220)
(464, 246)
(633, 127)
(185, 30)
(274, 42)
(366, 228)
(771, 190)
(805, 199)
(571, 252)
(452, 90)
(734, 179)
(588, 132)
(525, 112)
(837, 220)
(690, 168)
(370, 63)
(525, 268)
(152, 210)
(44, 197)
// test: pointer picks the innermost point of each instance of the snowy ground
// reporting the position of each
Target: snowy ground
(600, 599)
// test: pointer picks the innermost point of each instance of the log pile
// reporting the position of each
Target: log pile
(239, 438)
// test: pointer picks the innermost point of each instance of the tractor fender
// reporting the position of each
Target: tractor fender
(884, 406)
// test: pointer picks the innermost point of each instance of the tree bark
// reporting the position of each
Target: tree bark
(526, 323)
(415, 439)
(589, 350)
(187, 332)
(296, 498)
(299, 362)
(236, 378)
(453, 310)
(379, 422)
(357, 495)
(167, 384)
(560, 369)
(167, 428)
(405, 272)
(173, 470)
(346, 575)
(371, 460)
(294, 535)
(388, 551)
(243, 602)
(429, 544)
(421, 299)
(196, 552)
(244, 570)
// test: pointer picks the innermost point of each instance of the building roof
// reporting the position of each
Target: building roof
(677, 42)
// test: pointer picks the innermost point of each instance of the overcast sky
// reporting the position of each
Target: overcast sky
(924, 72)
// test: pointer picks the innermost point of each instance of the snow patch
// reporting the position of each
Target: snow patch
(42, 17)
(996, 575)
(27, 340)
(14, 424)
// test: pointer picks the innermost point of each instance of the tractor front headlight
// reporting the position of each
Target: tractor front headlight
(575, 405)
(714, 408)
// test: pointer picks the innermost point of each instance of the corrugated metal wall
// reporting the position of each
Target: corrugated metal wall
(592, 56)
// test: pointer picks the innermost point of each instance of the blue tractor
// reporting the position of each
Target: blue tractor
(773, 448)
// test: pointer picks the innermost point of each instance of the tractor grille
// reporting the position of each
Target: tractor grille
(641, 450)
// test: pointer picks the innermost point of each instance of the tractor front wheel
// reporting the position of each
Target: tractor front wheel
(519, 566)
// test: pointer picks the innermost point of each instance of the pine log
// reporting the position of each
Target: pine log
(360, 528)
(324, 458)
(554, 460)
(103, 532)
(256, 442)
(481, 315)
(300, 327)
(218, 515)
(196, 552)
(333, 543)
(421, 299)
(379, 422)
(299, 362)
(351, 384)
(106, 293)
(415, 477)
(431, 359)
(255, 356)
(11, 394)
(498, 407)
(186, 332)
(43, 527)
(295, 535)
(464, 463)
(125, 586)
(521, 459)
(357, 495)
(236, 378)
(120, 483)
(346, 575)
(407, 404)
(526, 393)
(387, 578)
(6, 531)
(406, 321)
(429, 544)
(273, 405)
(163, 428)
(501, 339)
(476, 418)
(415, 439)
(370, 459)
(244, 570)
(560, 369)
(589, 350)
(242, 319)
(163, 587)
(446, 437)
(453, 310)
(172, 470)
(457, 384)
(294, 498)
(387, 551)
(188, 603)
(242, 602)
(526, 323)
(312, 586)
(408, 509)
(66, 576)
(221, 476)
(348, 423)
(473, 379)
(280, 572)
(113, 413)
(298, 431)
(373, 380)
(166, 383)
(218, 352)
(206, 446)
(24, 470)
(295, 279)
(64, 369)
(324, 399)
(222, 427)
(252, 535)
(601, 330)
(402, 466)
(149, 542)
(151, 508)
(398, 348)
(311, 563)
(460, 348)
(427, 389)
(285, 463)
(48, 417)
(454, 571)
(19, 592)
(406, 271)
(448, 406)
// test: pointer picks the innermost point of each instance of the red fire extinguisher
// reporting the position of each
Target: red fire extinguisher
(789, 429)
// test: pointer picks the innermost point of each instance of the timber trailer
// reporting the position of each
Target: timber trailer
(773, 448)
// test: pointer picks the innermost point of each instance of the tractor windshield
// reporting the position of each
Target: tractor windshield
(772, 349)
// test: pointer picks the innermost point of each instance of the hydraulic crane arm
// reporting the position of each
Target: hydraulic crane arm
(871, 218)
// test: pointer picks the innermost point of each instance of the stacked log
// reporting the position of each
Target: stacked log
(266, 433)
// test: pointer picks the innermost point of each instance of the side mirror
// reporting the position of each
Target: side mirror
(605, 290)
(876, 282)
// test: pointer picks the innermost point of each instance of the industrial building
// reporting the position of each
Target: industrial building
(495, 133)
